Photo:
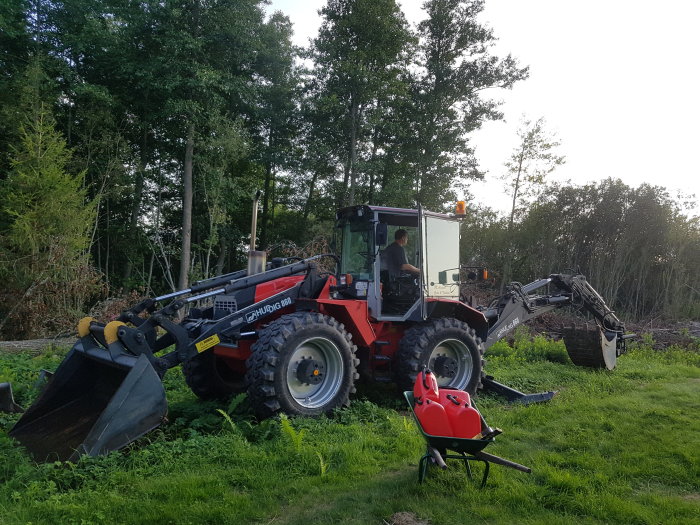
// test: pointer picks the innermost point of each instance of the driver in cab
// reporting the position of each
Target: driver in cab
(394, 256)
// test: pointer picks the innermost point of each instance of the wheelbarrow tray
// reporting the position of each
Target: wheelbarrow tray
(461, 445)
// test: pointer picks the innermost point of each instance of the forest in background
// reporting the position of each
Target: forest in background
(133, 135)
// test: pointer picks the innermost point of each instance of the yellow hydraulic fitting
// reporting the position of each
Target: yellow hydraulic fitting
(111, 331)
(84, 326)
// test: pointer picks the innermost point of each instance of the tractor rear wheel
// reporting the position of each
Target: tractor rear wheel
(209, 377)
(450, 348)
(302, 364)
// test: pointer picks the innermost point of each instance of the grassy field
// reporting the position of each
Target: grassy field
(612, 447)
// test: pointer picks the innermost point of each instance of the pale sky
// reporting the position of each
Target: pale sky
(617, 81)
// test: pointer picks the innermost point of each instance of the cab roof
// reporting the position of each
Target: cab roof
(389, 211)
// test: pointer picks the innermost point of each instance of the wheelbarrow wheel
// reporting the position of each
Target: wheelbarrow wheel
(450, 348)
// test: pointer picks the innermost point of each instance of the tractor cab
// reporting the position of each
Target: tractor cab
(364, 233)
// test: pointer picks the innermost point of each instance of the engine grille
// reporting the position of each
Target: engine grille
(225, 305)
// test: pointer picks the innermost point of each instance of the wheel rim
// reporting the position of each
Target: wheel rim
(327, 358)
(452, 349)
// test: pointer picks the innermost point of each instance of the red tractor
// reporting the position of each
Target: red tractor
(294, 338)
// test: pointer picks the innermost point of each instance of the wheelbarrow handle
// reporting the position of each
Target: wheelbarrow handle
(500, 461)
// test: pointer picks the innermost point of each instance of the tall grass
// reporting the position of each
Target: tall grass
(611, 447)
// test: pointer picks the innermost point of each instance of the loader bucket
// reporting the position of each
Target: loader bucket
(92, 405)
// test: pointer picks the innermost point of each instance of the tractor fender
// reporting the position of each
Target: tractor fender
(354, 315)
(436, 308)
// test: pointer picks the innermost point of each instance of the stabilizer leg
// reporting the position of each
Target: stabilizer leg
(513, 395)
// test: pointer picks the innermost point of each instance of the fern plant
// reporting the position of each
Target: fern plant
(323, 466)
(295, 437)
(228, 419)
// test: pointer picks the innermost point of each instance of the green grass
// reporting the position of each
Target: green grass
(611, 447)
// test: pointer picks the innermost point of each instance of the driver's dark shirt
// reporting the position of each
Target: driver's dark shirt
(394, 257)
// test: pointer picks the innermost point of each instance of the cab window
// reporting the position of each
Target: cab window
(356, 250)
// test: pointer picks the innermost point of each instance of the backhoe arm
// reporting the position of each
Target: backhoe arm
(584, 294)
(520, 304)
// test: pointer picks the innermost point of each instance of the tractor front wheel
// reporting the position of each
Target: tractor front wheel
(209, 377)
(302, 364)
(450, 348)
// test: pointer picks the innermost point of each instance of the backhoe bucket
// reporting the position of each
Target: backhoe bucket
(93, 404)
(594, 348)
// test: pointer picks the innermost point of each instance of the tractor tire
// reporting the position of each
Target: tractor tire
(450, 348)
(302, 364)
(209, 377)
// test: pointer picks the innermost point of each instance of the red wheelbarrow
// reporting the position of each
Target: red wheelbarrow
(438, 448)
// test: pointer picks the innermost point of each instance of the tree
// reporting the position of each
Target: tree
(207, 67)
(14, 55)
(358, 56)
(111, 107)
(276, 113)
(533, 159)
(455, 67)
(634, 245)
(46, 223)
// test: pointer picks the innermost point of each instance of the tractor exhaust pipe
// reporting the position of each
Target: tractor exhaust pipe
(256, 259)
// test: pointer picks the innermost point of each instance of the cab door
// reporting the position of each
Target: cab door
(440, 254)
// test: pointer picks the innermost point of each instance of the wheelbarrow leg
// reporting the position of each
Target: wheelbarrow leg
(423, 467)
(486, 473)
(466, 464)
(467, 458)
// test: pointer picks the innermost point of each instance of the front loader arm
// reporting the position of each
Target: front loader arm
(209, 333)
(193, 338)
(140, 336)
(108, 390)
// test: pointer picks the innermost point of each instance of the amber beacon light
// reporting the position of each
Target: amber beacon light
(461, 208)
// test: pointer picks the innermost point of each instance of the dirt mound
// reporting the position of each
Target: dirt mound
(668, 333)
(36, 346)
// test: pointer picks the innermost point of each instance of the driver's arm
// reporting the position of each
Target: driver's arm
(409, 268)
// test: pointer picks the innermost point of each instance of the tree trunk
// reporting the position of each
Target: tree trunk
(507, 266)
(354, 109)
(372, 160)
(107, 242)
(341, 200)
(265, 219)
(516, 187)
(223, 251)
(136, 204)
(187, 211)
(307, 206)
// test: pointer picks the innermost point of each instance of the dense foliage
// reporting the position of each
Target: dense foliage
(635, 245)
(170, 114)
